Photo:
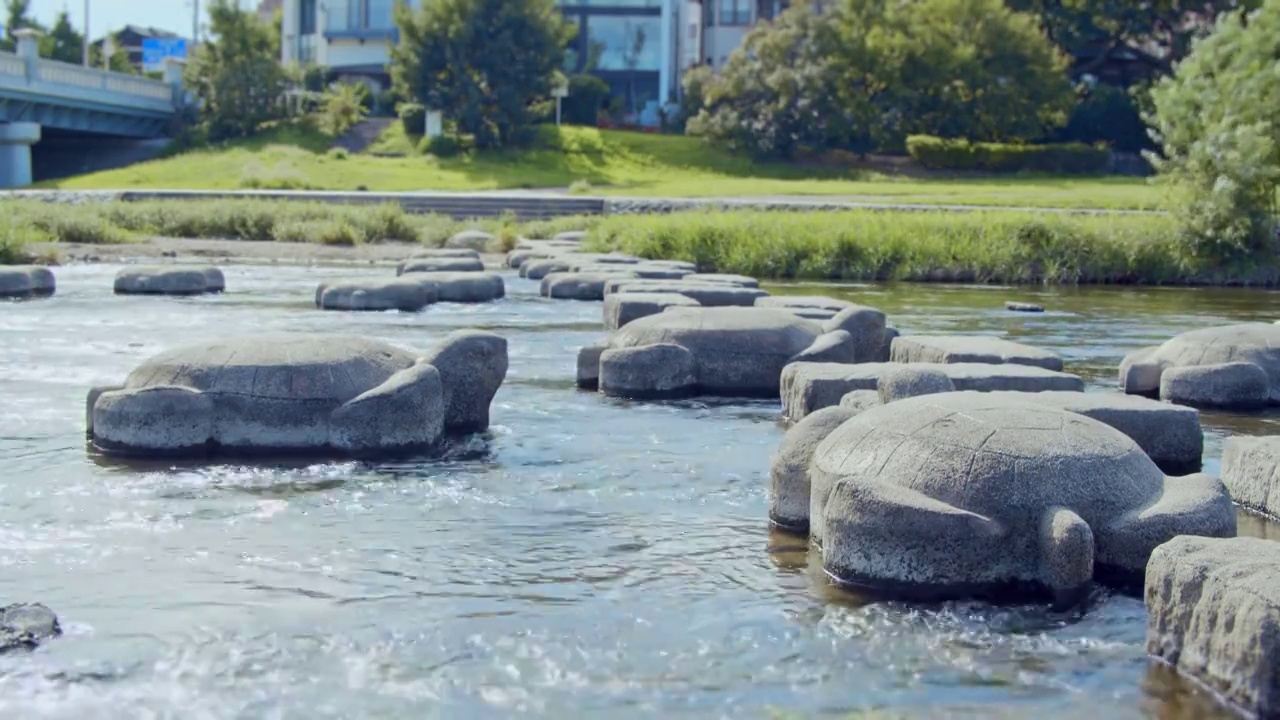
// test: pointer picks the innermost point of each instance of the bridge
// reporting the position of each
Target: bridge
(38, 95)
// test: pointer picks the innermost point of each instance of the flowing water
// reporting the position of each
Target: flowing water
(587, 557)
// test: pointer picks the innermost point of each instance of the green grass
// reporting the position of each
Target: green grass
(24, 222)
(987, 246)
(595, 161)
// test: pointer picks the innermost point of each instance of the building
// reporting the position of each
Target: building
(129, 39)
(640, 47)
(267, 10)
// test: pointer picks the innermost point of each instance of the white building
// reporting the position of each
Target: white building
(640, 47)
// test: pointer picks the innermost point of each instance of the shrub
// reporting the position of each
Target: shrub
(281, 175)
(1221, 143)
(444, 146)
(1106, 114)
(343, 107)
(587, 95)
(325, 232)
(580, 187)
(949, 154)
(338, 153)
(413, 116)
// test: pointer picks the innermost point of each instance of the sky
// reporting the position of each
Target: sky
(173, 15)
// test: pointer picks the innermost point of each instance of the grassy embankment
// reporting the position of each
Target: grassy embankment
(988, 246)
(590, 161)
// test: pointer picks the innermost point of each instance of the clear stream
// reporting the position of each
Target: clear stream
(585, 558)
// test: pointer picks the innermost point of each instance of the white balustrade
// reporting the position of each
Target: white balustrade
(11, 64)
(54, 72)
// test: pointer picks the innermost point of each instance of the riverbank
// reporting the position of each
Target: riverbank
(1014, 247)
(592, 162)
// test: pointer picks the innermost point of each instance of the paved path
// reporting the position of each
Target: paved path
(532, 204)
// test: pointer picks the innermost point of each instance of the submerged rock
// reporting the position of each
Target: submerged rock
(978, 495)
(20, 281)
(308, 394)
(1023, 307)
(1213, 612)
(440, 264)
(1234, 366)
(169, 280)
(25, 626)
(970, 349)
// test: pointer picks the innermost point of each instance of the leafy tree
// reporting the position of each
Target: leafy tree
(236, 75)
(1156, 32)
(63, 42)
(968, 69)
(483, 63)
(776, 94)
(1215, 119)
(17, 17)
(119, 60)
(587, 95)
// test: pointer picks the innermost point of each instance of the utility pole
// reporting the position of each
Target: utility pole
(86, 33)
(195, 26)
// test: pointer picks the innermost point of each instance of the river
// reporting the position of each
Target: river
(586, 558)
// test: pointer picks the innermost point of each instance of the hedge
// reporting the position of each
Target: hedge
(938, 153)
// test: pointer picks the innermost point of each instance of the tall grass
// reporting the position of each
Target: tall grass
(248, 219)
(996, 246)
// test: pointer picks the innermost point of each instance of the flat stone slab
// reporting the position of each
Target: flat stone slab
(1251, 472)
(444, 253)
(726, 278)
(169, 280)
(966, 494)
(406, 294)
(970, 349)
(1213, 613)
(707, 294)
(579, 285)
(1169, 434)
(464, 287)
(622, 308)
(807, 387)
(441, 264)
(804, 302)
(21, 281)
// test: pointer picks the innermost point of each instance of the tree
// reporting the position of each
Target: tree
(969, 69)
(1215, 120)
(481, 62)
(236, 75)
(63, 42)
(1156, 32)
(777, 92)
(119, 60)
(17, 17)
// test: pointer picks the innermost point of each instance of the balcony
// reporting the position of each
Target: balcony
(362, 19)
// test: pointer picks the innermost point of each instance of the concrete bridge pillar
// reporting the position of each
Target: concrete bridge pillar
(16, 140)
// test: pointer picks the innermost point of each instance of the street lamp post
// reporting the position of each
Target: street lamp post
(86, 33)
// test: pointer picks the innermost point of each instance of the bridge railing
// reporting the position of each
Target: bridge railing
(26, 68)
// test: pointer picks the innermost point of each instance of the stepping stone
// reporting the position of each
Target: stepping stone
(20, 281)
(622, 308)
(804, 302)
(807, 387)
(1249, 466)
(577, 285)
(1023, 307)
(408, 294)
(970, 349)
(1213, 613)
(441, 264)
(471, 240)
(169, 280)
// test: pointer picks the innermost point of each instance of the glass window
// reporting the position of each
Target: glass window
(626, 42)
(381, 14)
(735, 12)
(307, 17)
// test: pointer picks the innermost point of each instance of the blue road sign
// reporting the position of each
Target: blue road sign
(155, 50)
